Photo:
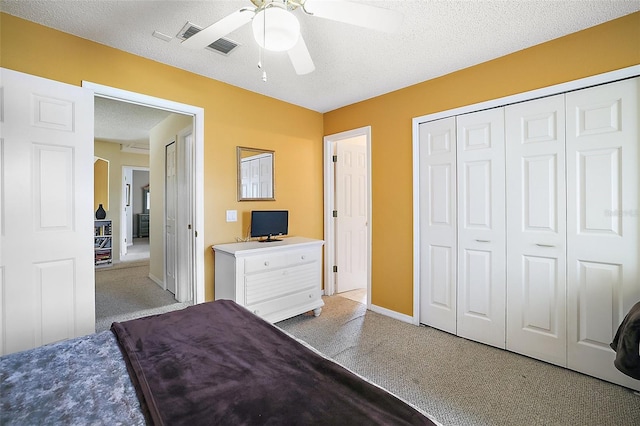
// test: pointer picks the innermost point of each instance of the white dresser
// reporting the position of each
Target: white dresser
(275, 280)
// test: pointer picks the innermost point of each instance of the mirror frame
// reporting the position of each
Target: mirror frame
(255, 151)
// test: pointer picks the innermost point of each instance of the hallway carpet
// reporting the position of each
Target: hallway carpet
(124, 291)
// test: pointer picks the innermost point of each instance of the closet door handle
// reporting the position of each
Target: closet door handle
(545, 245)
(483, 241)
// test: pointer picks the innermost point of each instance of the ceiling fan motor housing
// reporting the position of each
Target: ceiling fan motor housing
(275, 28)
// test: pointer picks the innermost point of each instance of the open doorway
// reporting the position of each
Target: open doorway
(136, 196)
(134, 238)
(347, 214)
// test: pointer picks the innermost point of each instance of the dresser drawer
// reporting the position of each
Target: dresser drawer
(280, 260)
(280, 282)
(268, 308)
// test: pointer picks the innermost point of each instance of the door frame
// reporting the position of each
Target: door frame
(165, 209)
(123, 216)
(329, 203)
(520, 97)
(198, 172)
(184, 240)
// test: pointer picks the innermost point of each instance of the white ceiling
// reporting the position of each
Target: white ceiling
(125, 123)
(352, 63)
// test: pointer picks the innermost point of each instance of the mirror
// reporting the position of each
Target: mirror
(255, 174)
(100, 183)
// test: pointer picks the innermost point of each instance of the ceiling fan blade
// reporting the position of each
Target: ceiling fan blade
(362, 15)
(219, 29)
(300, 57)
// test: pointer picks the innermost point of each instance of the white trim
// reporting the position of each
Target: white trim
(157, 280)
(494, 103)
(329, 202)
(390, 313)
(415, 153)
(198, 134)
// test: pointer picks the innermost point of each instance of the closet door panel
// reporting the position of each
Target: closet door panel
(481, 227)
(602, 227)
(536, 227)
(438, 224)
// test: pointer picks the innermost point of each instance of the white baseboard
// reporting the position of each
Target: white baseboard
(392, 314)
(157, 281)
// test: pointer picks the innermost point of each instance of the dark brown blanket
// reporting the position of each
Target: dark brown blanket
(217, 363)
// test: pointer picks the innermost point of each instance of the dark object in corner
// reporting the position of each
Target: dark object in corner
(100, 213)
(627, 344)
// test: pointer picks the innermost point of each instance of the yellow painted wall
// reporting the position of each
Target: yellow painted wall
(607, 47)
(237, 117)
(100, 183)
(233, 117)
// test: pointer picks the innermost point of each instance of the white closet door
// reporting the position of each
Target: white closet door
(536, 229)
(266, 182)
(254, 178)
(481, 227)
(438, 224)
(602, 227)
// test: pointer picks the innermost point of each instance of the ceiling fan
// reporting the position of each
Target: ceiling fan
(276, 28)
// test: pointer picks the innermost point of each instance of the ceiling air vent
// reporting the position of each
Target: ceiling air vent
(223, 45)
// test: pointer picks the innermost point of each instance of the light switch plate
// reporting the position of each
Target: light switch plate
(232, 215)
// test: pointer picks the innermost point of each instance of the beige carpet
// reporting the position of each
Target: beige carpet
(124, 291)
(458, 381)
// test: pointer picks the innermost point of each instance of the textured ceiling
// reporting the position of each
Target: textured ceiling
(352, 63)
(125, 123)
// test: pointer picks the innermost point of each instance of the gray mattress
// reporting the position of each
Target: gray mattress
(82, 381)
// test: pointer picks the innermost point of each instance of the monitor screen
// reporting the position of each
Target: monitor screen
(267, 223)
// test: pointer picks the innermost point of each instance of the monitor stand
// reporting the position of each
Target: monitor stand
(268, 240)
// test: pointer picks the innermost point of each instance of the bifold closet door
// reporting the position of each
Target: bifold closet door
(602, 227)
(481, 227)
(437, 151)
(536, 229)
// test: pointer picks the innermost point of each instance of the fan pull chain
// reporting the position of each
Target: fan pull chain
(264, 72)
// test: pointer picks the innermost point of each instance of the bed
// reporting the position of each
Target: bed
(212, 363)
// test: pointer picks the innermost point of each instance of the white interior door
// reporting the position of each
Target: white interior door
(481, 227)
(46, 212)
(184, 251)
(126, 221)
(171, 201)
(602, 227)
(351, 222)
(438, 224)
(536, 229)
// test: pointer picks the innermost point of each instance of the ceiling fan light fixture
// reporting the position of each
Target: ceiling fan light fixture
(275, 28)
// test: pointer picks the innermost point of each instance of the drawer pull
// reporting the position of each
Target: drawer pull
(545, 245)
(303, 257)
(266, 263)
